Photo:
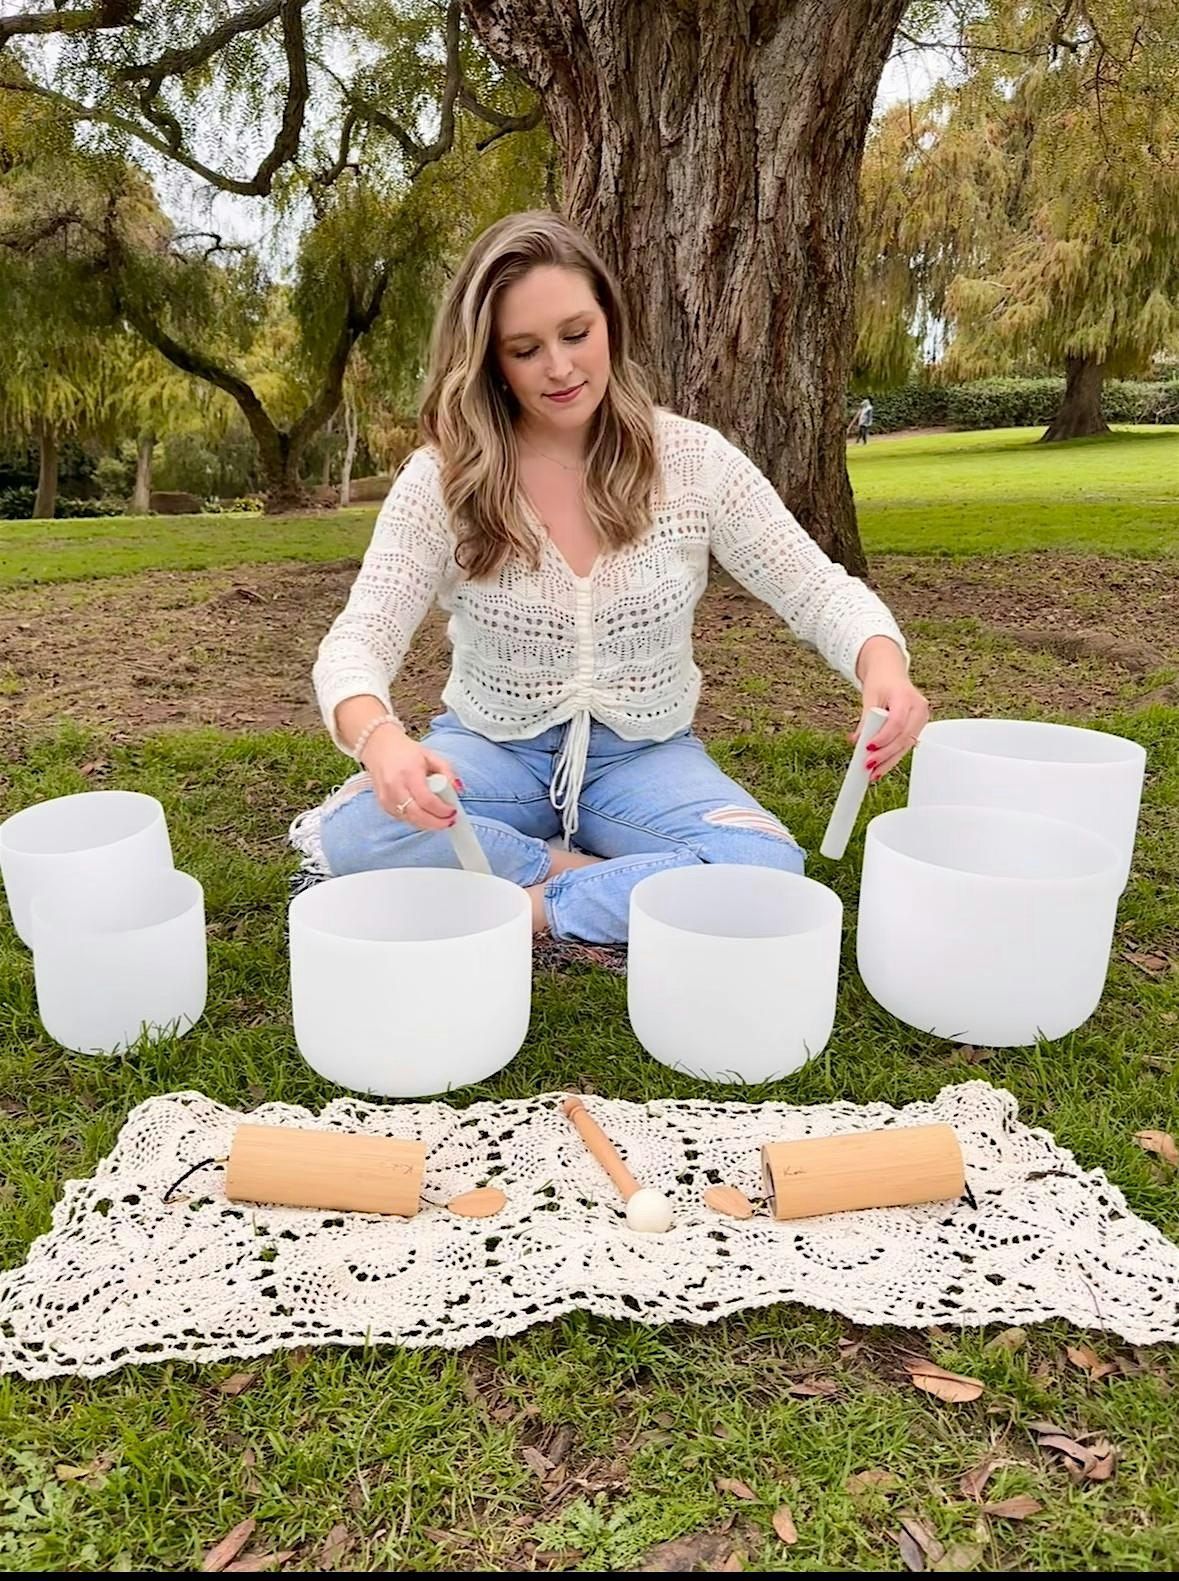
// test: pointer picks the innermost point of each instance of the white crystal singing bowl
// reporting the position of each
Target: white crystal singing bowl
(412, 981)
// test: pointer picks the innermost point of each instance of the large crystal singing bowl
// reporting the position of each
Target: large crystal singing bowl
(1082, 776)
(412, 981)
(732, 971)
(73, 843)
(113, 966)
(986, 926)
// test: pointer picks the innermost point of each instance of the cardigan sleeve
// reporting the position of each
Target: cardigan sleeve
(399, 578)
(759, 542)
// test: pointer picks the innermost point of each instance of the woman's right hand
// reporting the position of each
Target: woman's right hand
(398, 767)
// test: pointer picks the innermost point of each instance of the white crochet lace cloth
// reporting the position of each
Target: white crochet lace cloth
(537, 648)
(122, 1277)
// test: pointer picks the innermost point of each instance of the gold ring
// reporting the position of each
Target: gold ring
(401, 806)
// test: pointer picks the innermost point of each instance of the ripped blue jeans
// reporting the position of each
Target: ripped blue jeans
(644, 806)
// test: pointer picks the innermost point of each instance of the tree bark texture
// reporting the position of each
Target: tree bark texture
(1080, 412)
(45, 504)
(141, 493)
(711, 151)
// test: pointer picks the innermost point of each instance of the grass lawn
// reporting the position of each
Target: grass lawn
(992, 492)
(79, 551)
(1002, 491)
(417, 1460)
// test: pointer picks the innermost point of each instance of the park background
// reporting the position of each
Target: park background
(224, 227)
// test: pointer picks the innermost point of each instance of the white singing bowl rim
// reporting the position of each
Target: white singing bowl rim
(82, 917)
(945, 734)
(39, 812)
(1107, 858)
(301, 912)
(819, 896)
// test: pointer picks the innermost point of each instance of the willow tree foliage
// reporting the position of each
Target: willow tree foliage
(1030, 204)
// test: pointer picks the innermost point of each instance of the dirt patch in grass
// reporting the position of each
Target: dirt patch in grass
(1030, 633)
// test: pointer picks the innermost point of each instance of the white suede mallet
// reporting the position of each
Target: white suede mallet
(851, 792)
(470, 853)
(647, 1210)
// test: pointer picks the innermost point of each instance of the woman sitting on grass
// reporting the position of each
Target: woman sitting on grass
(565, 524)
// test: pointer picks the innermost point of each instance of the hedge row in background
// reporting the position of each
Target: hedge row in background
(1013, 403)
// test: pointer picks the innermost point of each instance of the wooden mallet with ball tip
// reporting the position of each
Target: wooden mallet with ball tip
(647, 1210)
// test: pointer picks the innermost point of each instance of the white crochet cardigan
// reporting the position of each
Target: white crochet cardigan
(538, 648)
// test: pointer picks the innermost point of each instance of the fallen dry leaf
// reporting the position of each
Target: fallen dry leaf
(253, 1562)
(973, 1482)
(338, 1543)
(539, 1463)
(959, 1557)
(96, 766)
(923, 1537)
(1014, 1509)
(95, 1468)
(814, 1388)
(1087, 1359)
(951, 1387)
(739, 1490)
(698, 1550)
(875, 1477)
(1104, 1462)
(1160, 1142)
(784, 1525)
(972, 1055)
(229, 1547)
(1065, 1445)
(911, 1551)
(237, 1383)
(1096, 1464)
(1152, 965)
(1011, 1339)
(735, 1561)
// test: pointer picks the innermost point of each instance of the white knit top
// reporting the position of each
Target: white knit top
(537, 648)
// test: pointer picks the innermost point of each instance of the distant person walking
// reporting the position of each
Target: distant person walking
(862, 421)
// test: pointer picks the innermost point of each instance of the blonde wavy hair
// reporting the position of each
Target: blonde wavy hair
(467, 411)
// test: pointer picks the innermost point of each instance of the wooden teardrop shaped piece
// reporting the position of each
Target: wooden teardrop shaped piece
(478, 1204)
(727, 1199)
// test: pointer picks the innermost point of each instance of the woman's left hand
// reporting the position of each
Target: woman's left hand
(885, 681)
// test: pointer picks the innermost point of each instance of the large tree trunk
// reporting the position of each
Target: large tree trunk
(141, 493)
(280, 457)
(712, 153)
(1080, 412)
(46, 502)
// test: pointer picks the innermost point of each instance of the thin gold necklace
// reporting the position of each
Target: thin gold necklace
(564, 465)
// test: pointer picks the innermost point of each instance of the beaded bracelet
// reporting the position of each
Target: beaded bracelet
(373, 724)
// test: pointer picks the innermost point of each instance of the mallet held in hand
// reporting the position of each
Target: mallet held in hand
(470, 853)
(647, 1210)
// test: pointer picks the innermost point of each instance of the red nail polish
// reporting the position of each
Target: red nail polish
(458, 785)
(871, 746)
(871, 764)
